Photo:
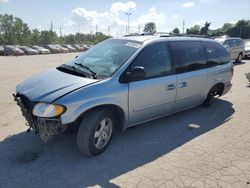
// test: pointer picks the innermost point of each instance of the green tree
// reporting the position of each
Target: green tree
(241, 29)
(150, 28)
(35, 36)
(226, 27)
(48, 37)
(7, 27)
(194, 30)
(176, 31)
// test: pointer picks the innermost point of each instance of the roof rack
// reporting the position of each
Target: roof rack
(166, 34)
(193, 35)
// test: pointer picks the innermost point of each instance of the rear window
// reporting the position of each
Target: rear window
(240, 42)
(216, 54)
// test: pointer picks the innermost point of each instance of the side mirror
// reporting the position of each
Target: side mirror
(226, 46)
(137, 73)
(76, 56)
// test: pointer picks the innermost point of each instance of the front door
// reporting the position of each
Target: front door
(153, 96)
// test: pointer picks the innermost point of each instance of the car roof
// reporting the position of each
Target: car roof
(148, 38)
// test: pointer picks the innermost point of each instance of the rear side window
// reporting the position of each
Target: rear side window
(233, 43)
(155, 59)
(187, 56)
(216, 54)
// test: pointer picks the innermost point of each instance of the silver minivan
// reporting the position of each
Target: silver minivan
(123, 82)
(235, 46)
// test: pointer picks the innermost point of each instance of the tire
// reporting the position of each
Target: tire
(239, 59)
(95, 132)
(210, 96)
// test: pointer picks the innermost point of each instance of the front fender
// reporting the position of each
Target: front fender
(73, 115)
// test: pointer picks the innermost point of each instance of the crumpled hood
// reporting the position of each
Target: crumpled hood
(50, 85)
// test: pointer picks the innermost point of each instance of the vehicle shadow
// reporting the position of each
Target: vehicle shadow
(239, 63)
(27, 162)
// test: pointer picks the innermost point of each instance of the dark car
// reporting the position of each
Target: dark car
(85, 47)
(53, 48)
(62, 49)
(79, 48)
(28, 50)
(70, 48)
(12, 50)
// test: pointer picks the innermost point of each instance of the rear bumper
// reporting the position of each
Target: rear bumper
(227, 87)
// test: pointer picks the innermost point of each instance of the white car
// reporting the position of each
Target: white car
(235, 46)
(41, 50)
(247, 49)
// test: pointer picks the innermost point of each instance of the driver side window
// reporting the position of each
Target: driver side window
(155, 59)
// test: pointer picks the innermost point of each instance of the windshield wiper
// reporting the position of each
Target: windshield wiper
(73, 69)
(93, 74)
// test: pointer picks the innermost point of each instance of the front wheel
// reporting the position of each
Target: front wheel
(95, 132)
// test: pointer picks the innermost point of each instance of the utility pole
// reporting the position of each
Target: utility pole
(128, 14)
(95, 28)
(240, 30)
(183, 26)
(139, 29)
(51, 26)
(61, 32)
(108, 30)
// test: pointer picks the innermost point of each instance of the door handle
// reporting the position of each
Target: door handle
(171, 87)
(182, 84)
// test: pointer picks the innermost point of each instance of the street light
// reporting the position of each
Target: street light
(128, 14)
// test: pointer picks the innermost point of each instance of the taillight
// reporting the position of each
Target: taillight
(232, 70)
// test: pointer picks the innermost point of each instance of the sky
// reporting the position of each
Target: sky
(89, 16)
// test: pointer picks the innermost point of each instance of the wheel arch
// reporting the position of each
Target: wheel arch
(117, 111)
(220, 86)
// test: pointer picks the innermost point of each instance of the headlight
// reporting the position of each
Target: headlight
(48, 110)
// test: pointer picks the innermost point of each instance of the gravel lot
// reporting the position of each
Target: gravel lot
(201, 147)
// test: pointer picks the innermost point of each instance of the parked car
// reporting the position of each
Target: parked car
(247, 49)
(62, 49)
(12, 50)
(1, 50)
(123, 82)
(79, 48)
(29, 51)
(86, 47)
(41, 50)
(70, 48)
(235, 46)
(248, 76)
(53, 48)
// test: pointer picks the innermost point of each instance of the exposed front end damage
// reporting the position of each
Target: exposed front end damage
(45, 127)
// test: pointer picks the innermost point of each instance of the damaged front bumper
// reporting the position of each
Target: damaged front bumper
(45, 127)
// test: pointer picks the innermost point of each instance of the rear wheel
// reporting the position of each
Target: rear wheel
(239, 59)
(95, 132)
(214, 91)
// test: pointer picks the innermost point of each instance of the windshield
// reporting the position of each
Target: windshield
(106, 57)
(220, 40)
